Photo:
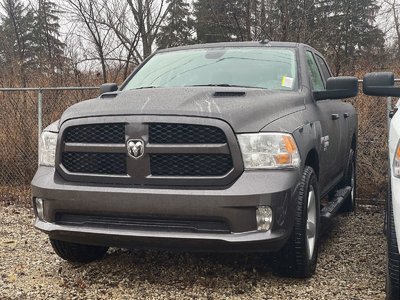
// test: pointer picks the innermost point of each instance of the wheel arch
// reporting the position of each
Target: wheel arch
(354, 143)
(312, 160)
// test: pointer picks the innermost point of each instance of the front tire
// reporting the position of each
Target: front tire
(298, 258)
(393, 256)
(77, 253)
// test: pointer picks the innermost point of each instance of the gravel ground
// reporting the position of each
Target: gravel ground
(351, 266)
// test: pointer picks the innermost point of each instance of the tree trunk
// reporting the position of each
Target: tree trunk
(248, 20)
(396, 25)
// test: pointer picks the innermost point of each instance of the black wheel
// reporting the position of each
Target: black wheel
(298, 258)
(350, 179)
(77, 252)
(393, 257)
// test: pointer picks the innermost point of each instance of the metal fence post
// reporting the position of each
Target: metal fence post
(389, 109)
(40, 122)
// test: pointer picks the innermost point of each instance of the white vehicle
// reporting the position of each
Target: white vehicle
(383, 84)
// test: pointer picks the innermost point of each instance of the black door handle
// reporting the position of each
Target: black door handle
(335, 116)
(346, 115)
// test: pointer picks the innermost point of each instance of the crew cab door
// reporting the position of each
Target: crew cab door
(341, 110)
(332, 124)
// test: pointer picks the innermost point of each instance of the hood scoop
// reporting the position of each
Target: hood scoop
(229, 94)
(108, 95)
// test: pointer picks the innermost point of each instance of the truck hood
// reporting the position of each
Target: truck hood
(246, 110)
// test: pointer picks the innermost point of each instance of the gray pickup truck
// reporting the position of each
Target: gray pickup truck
(217, 147)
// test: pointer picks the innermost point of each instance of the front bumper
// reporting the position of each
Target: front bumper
(235, 205)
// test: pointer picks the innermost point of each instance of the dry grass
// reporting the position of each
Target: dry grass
(372, 153)
(15, 195)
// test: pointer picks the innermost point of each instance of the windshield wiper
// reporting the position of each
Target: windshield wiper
(146, 87)
(209, 84)
(226, 85)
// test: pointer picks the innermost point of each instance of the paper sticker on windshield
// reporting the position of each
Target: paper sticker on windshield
(287, 82)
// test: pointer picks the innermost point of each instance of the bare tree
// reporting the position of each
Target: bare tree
(134, 21)
(117, 17)
(149, 15)
(122, 32)
(391, 12)
(89, 13)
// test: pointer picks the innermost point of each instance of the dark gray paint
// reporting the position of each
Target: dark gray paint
(257, 110)
(248, 113)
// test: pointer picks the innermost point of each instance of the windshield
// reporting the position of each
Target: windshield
(268, 68)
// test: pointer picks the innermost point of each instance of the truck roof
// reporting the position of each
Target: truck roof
(235, 44)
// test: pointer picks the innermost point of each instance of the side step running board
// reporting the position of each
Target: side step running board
(331, 209)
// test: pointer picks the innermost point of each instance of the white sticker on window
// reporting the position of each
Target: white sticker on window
(287, 82)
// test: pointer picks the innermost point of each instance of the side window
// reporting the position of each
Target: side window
(324, 67)
(315, 75)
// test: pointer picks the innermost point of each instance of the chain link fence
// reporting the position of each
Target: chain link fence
(24, 112)
(372, 148)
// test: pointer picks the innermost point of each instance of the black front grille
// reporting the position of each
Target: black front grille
(95, 163)
(190, 164)
(113, 133)
(169, 133)
(178, 153)
(144, 223)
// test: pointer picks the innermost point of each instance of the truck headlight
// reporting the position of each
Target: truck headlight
(47, 148)
(396, 162)
(269, 151)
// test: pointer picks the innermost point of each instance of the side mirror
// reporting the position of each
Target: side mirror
(380, 84)
(338, 88)
(108, 87)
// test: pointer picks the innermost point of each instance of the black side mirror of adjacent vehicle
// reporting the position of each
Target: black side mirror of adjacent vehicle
(108, 88)
(380, 84)
(338, 88)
